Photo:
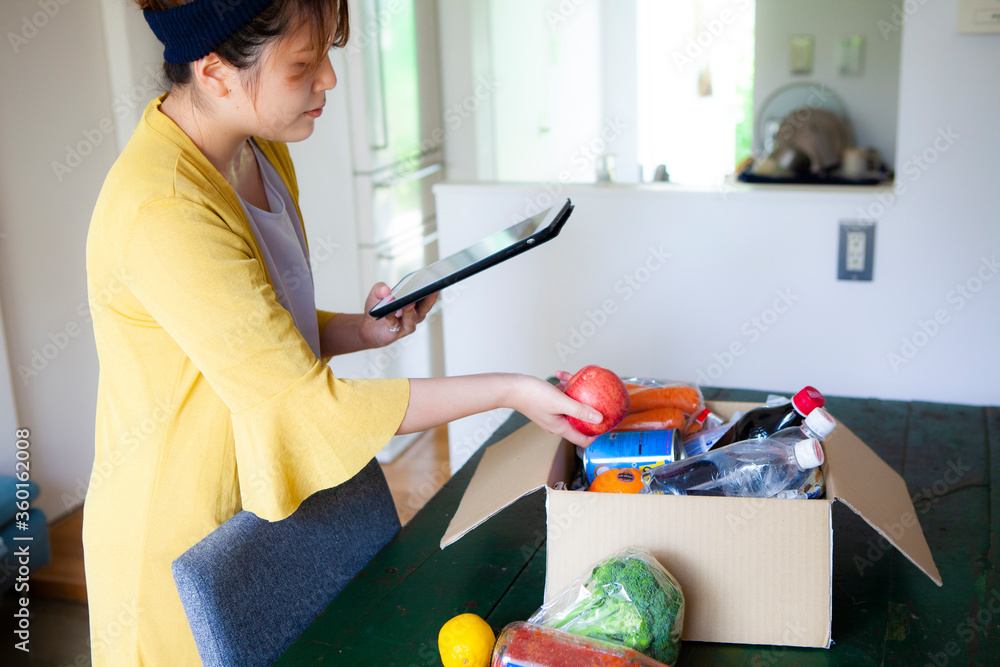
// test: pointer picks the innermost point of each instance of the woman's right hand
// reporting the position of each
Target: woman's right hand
(548, 407)
(437, 401)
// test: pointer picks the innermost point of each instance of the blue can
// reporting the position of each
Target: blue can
(632, 449)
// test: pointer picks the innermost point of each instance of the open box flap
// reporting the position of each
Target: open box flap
(857, 477)
(521, 463)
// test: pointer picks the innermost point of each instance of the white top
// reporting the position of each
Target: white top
(808, 453)
(821, 423)
(283, 245)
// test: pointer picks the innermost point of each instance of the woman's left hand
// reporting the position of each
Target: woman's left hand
(379, 333)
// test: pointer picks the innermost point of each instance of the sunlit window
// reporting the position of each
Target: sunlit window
(546, 63)
(695, 87)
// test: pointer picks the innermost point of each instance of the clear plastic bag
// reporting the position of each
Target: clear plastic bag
(663, 404)
(523, 644)
(628, 598)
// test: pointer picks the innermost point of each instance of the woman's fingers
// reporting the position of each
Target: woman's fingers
(563, 428)
(392, 323)
(409, 320)
(583, 412)
(549, 407)
(424, 305)
(563, 378)
(378, 292)
(404, 321)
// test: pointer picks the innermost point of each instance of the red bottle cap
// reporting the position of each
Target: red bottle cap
(807, 400)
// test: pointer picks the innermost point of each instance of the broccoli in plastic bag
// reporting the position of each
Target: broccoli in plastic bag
(628, 598)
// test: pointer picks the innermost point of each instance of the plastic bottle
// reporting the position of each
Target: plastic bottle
(817, 425)
(701, 442)
(758, 468)
(763, 421)
(808, 483)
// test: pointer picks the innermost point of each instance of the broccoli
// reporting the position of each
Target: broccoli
(631, 603)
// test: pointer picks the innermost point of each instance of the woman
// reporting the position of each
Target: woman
(214, 393)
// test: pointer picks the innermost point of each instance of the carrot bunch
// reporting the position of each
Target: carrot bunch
(660, 408)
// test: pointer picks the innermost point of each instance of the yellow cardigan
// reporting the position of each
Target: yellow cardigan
(209, 400)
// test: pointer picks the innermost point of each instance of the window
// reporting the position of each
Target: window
(695, 87)
(698, 83)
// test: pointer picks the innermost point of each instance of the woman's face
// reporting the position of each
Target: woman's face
(290, 92)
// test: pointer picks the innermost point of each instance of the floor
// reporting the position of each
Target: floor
(59, 623)
(418, 473)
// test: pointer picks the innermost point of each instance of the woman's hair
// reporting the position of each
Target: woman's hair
(328, 20)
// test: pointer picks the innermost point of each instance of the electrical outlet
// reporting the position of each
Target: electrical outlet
(857, 250)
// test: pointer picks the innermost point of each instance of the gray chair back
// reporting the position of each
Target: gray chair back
(251, 586)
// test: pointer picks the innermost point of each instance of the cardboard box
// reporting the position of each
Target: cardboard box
(753, 570)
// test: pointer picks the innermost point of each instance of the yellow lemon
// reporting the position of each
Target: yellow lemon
(466, 641)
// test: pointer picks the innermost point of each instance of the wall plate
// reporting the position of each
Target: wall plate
(852, 55)
(801, 54)
(856, 256)
(979, 16)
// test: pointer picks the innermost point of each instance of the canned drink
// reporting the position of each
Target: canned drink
(632, 449)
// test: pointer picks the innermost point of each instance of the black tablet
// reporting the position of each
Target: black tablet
(494, 249)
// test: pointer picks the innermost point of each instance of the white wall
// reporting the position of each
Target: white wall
(8, 411)
(547, 105)
(134, 61)
(871, 98)
(56, 103)
(734, 251)
(463, 26)
(619, 80)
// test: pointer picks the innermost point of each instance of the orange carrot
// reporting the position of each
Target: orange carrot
(692, 428)
(682, 397)
(652, 420)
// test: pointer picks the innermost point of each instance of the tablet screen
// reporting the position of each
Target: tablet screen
(447, 266)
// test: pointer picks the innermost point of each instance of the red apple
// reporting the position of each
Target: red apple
(602, 390)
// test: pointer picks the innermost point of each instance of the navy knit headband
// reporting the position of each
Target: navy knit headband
(192, 31)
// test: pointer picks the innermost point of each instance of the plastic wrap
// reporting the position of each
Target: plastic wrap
(750, 469)
(527, 645)
(628, 598)
(661, 404)
(811, 486)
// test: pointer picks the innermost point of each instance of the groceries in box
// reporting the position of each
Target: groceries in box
(750, 567)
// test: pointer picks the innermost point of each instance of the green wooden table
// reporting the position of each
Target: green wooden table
(885, 610)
